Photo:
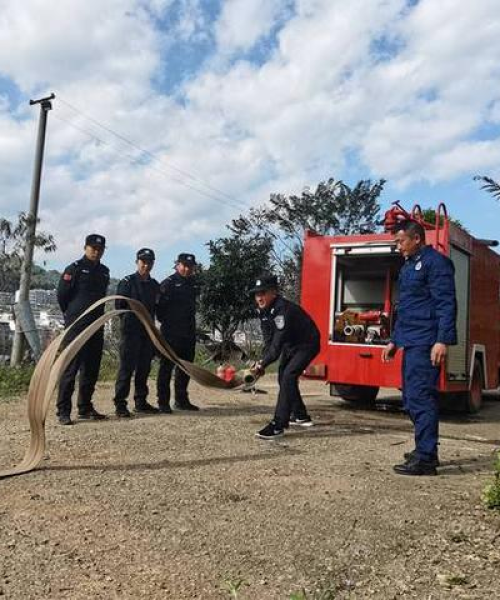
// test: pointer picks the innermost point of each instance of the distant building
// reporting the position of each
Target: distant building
(6, 299)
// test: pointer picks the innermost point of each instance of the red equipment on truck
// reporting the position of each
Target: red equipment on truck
(349, 287)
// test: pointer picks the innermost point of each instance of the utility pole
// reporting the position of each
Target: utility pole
(24, 286)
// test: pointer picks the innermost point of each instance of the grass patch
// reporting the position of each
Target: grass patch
(491, 493)
(15, 380)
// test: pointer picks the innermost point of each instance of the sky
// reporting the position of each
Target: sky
(173, 116)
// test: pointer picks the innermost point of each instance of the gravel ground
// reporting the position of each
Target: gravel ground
(185, 506)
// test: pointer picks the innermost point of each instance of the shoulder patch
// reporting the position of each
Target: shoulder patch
(279, 321)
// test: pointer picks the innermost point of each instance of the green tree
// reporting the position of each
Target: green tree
(235, 263)
(429, 215)
(489, 185)
(333, 208)
(12, 236)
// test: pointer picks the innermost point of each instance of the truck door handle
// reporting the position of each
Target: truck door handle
(366, 355)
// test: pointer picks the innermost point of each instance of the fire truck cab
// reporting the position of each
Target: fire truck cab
(349, 287)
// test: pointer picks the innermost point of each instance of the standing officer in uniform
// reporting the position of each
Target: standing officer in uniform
(136, 349)
(290, 332)
(425, 326)
(176, 313)
(82, 283)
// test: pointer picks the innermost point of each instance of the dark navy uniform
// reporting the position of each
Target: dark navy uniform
(82, 283)
(177, 315)
(288, 332)
(426, 315)
(136, 349)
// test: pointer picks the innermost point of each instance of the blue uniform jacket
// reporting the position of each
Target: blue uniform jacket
(427, 309)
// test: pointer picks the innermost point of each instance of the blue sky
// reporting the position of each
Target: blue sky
(173, 116)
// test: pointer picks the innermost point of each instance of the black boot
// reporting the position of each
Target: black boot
(122, 412)
(416, 467)
(411, 456)
(90, 414)
(185, 405)
(145, 408)
(164, 408)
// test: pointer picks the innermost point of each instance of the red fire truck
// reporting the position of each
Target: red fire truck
(349, 287)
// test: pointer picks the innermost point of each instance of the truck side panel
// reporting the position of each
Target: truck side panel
(485, 307)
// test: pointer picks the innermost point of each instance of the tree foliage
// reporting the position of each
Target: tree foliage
(429, 215)
(12, 236)
(489, 185)
(235, 263)
(333, 208)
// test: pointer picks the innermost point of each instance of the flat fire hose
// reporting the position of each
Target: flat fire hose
(54, 362)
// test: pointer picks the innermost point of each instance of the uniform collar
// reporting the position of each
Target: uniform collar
(89, 263)
(418, 255)
(179, 277)
(271, 308)
(137, 276)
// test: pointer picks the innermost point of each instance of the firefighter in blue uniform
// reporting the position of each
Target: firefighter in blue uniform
(136, 349)
(177, 315)
(82, 283)
(288, 332)
(425, 326)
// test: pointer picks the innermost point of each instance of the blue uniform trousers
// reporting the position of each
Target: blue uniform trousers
(420, 399)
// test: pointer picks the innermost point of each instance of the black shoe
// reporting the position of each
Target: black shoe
(185, 405)
(270, 432)
(91, 415)
(411, 456)
(65, 420)
(302, 422)
(122, 412)
(146, 408)
(416, 467)
(164, 409)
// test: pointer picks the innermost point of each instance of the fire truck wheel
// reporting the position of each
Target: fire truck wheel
(474, 399)
(360, 394)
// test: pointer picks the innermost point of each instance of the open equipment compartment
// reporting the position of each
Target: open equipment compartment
(364, 293)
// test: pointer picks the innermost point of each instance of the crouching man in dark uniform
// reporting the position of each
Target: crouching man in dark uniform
(82, 283)
(136, 349)
(177, 315)
(290, 332)
(425, 326)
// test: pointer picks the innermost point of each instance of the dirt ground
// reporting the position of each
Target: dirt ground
(188, 506)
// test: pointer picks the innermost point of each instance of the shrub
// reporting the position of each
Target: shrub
(15, 380)
(491, 493)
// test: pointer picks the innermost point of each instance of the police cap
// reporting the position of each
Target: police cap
(94, 239)
(264, 283)
(187, 259)
(146, 254)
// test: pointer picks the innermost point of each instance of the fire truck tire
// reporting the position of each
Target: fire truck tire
(474, 398)
(360, 394)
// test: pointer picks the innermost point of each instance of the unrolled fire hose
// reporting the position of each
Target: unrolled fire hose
(54, 362)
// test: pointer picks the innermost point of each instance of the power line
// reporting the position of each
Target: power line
(135, 159)
(153, 157)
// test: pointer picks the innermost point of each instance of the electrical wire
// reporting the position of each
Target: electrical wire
(214, 192)
(136, 159)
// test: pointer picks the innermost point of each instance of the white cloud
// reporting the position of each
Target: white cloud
(405, 89)
(242, 23)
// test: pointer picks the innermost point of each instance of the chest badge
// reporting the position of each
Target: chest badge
(418, 266)
(279, 321)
